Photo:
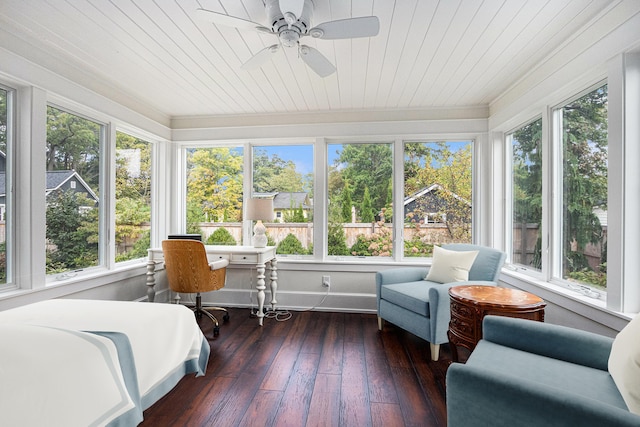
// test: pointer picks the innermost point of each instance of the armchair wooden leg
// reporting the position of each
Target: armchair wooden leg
(380, 323)
(435, 351)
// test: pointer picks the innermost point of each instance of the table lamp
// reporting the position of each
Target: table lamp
(258, 210)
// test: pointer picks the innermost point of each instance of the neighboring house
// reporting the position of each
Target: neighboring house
(70, 180)
(285, 203)
(428, 205)
(56, 181)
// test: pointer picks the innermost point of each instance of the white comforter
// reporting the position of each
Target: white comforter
(165, 341)
(58, 377)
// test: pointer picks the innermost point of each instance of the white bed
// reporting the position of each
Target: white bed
(142, 350)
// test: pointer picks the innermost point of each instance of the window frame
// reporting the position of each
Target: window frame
(10, 195)
(509, 189)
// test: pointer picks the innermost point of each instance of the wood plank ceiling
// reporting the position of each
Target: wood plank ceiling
(429, 53)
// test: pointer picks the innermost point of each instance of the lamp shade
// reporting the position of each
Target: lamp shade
(260, 209)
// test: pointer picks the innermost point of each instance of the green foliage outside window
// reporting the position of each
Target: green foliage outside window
(290, 245)
(221, 236)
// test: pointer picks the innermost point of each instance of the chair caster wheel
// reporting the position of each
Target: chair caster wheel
(225, 317)
(216, 331)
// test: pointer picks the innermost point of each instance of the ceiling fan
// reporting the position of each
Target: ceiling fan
(290, 20)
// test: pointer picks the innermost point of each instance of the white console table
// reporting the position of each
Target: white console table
(237, 255)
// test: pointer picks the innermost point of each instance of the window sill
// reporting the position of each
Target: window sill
(590, 308)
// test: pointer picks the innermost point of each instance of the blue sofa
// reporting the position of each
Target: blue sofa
(524, 373)
(421, 307)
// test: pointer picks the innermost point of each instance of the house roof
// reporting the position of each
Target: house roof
(288, 200)
(429, 189)
(55, 180)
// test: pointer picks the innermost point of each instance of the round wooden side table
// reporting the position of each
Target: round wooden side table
(470, 303)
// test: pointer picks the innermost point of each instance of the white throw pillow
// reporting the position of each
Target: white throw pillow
(624, 364)
(450, 266)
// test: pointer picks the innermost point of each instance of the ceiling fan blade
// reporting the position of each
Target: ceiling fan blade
(366, 26)
(291, 10)
(229, 21)
(261, 57)
(316, 61)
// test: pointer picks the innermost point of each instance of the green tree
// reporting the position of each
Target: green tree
(273, 174)
(584, 176)
(346, 203)
(367, 166)
(295, 214)
(366, 210)
(72, 232)
(449, 165)
(336, 240)
(73, 143)
(527, 182)
(214, 183)
(133, 190)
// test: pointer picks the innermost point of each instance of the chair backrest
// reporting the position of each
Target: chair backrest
(488, 263)
(188, 269)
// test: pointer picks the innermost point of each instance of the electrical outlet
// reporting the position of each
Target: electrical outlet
(326, 281)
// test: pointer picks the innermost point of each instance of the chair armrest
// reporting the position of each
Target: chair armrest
(218, 264)
(558, 342)
(478, 396)
(440, 308)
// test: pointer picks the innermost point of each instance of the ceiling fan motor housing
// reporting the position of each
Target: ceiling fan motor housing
(279, 24)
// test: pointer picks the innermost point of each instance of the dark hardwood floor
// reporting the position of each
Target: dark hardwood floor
(315, 369)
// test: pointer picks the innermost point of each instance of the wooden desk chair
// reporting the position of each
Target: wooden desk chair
(189, 271)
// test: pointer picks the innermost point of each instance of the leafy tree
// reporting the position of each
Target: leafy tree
(73, 143)
(584, 175)
(274, 174)
(221, 236)
(133, 190)
(73, 232)
(367, 166)
(527, 183)
(214, 183)
(346, 203)
(366, 211)
(295, 215)
(139, 249)
(195, 216)
(336, 240)
(449, 165)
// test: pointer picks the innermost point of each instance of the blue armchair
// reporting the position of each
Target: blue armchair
(524, 373)
(421, 307)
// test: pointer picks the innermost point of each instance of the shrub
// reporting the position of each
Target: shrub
(379, 243)
(221, 236)
(290, 245)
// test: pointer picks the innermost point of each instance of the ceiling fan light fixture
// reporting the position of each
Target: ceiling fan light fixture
(290, 18)
(289, 38)
(316, 33)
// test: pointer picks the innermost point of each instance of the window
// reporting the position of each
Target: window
(360, 192)
(285, 174)
(4, 182)
(582, 133)
(526, 188)
(133, 197)
(438, 195)
(73, 220)
(214, 194)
